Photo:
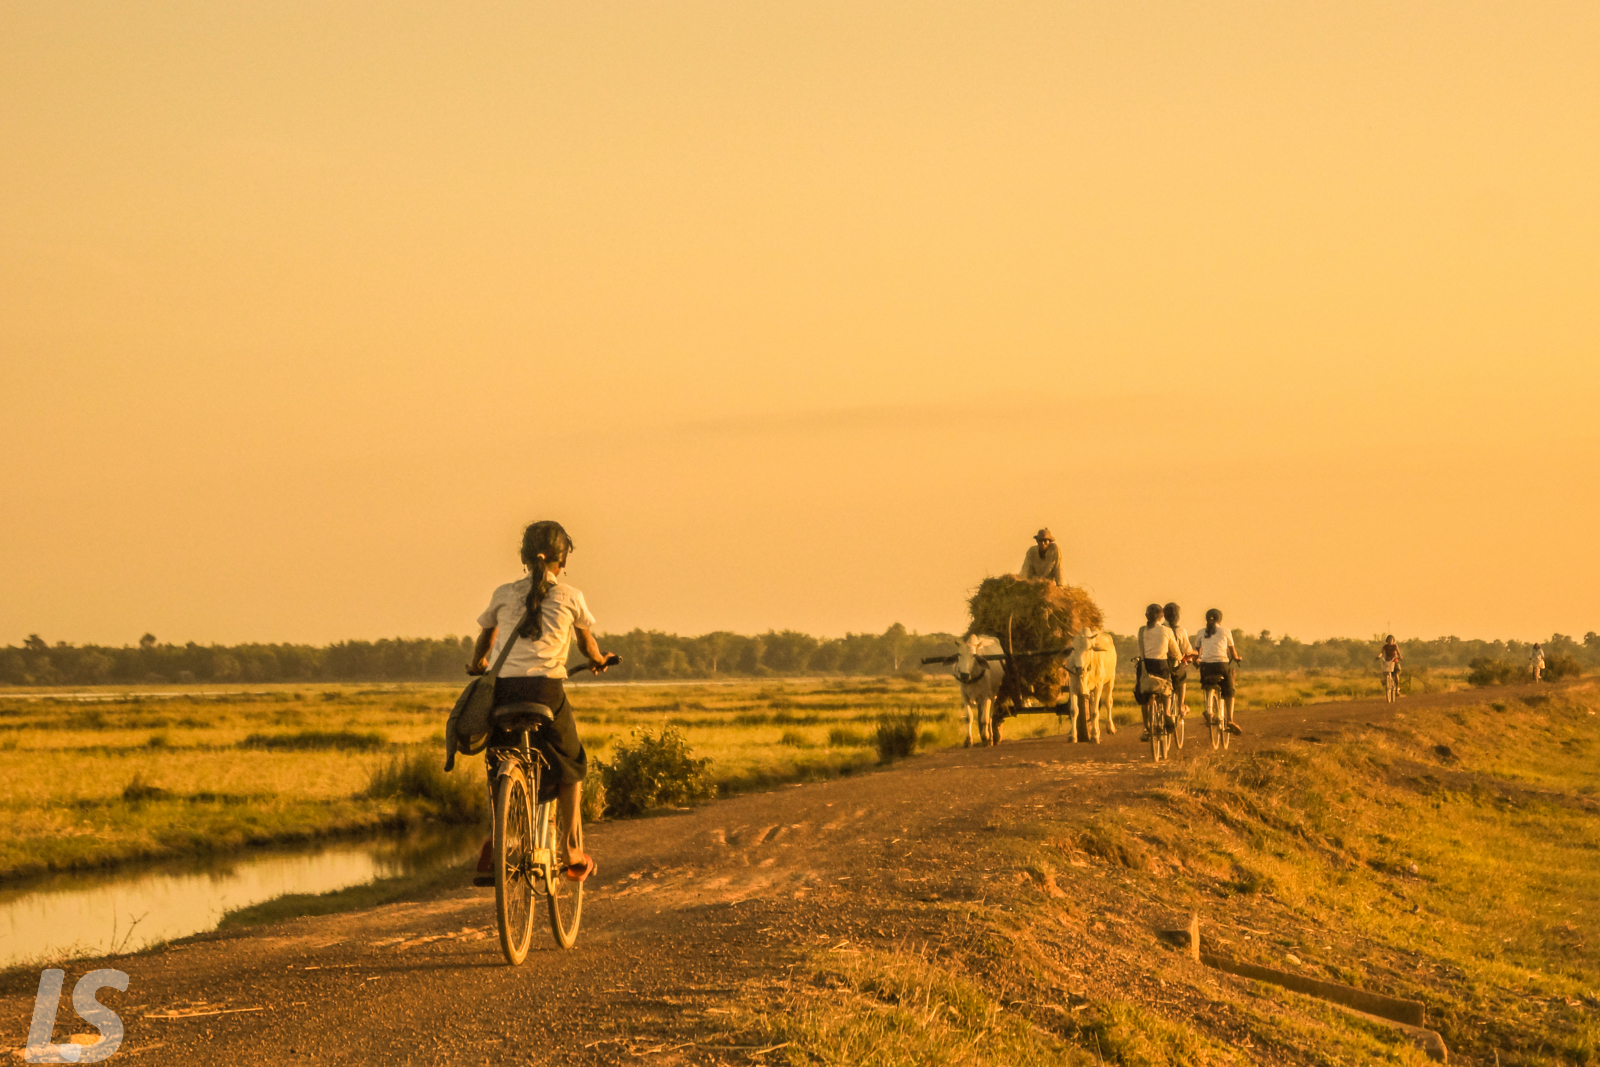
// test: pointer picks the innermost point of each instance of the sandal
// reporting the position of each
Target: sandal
(579, 870)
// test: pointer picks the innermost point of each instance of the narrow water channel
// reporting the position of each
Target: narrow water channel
(96, 912)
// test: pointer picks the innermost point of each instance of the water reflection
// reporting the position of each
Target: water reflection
(102, 912)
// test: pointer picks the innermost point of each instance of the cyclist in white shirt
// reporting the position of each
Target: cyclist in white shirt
(1536, 660)
(549, 617)
(1158, 647)
(1218, 654)
(1180, 669)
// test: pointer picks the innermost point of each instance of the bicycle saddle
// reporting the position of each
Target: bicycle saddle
(523, 715)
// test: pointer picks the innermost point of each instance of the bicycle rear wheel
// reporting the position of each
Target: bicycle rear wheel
(1177, 729)
(1214, 717)
(513, 863)
(1153, 725)
(563, 896)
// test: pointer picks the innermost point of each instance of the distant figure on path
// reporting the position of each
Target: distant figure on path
(1391, 658)
(1536, 660)
(1044, 558)
(545, 617)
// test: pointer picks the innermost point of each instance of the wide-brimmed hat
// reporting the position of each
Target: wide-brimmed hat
(1044, 535)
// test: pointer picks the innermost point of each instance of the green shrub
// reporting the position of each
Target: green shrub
(306, 740)
(845, 737)
(794, 739)
(1487, 671)
(138, 791)
(897, 736)
(653, 771)
(419, 775)
(1559, 665)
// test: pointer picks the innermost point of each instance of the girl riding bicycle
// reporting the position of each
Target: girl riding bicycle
(1391, 658)
(1218, 654)
(1158, 649)
(545, 616)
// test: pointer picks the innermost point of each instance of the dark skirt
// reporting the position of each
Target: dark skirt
(558, 743)
(1218, 676)
(1155, 668)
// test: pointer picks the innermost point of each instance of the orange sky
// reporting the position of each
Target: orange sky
(797, 315)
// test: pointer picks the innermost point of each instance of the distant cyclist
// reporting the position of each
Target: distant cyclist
(1391, 660)
(1536, 661)
(546, 616)
(1218, 654)
(1158, 648)
(1180, 669)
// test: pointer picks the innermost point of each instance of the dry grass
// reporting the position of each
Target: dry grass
(1299, 859)
(214, 793)
(280, 764)
(1032, 615)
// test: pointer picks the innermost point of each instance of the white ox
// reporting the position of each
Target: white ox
(1092, 669)
(980, 681)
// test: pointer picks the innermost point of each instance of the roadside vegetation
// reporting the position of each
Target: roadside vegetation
(156, 775)
(160, 776)
(1448, 858)
(1493, 671)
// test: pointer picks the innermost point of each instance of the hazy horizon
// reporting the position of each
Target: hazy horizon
(799, 318)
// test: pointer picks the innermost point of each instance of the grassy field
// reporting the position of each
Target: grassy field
(141, 775)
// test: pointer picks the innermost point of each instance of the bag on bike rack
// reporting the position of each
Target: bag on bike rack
(468, 728)
(1146, 684)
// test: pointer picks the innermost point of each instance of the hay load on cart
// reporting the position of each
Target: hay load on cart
(1035, 621)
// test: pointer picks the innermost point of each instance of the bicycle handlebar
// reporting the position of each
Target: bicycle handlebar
(611, 660)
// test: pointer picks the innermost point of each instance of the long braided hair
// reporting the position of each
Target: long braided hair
(543, 543)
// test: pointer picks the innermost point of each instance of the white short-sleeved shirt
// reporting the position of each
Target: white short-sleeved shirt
(1215, 648)
(546, 655)
(1182, 636)
(1158, 642)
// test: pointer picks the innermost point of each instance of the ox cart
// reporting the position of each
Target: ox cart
(1010, 699)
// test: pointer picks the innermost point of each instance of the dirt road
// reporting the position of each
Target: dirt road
(690, 910)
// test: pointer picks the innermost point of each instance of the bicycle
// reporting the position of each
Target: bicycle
(524, 840)
(1215, 708)
(1391, 682)
(1159, 722)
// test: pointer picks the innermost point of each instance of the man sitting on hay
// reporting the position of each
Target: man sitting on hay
(1043, 560)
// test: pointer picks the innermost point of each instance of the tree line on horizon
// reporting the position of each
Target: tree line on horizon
(650, 655)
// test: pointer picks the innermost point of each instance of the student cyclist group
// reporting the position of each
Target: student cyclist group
(1165, 648)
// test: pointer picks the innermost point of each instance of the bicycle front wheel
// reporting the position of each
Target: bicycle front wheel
(1177, 730)
(513, 863)
(1214, 717)
(563, 896)
(1154, 726)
